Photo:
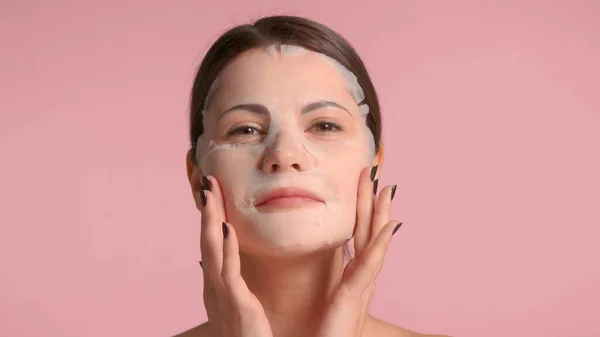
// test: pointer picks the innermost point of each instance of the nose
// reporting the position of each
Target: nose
(286, 155)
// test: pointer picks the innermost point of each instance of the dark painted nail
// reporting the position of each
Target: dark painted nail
(373, 172)
(206, 184)
(375, 186)
(225, 231)
(203, 198)
(201, 265)
(397, 227)
(394, 191)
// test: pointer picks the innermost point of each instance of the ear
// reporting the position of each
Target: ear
(194, 174)
(378, 160)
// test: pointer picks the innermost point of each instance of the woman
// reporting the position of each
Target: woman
(285, 130)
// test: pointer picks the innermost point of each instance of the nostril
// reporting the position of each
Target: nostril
(274, 167)
(296, 167)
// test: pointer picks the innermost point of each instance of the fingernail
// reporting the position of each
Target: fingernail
(225, 231)
(397, 227)
(201, 264)
(206, 183)
(203, 198)
(375, 186)
(373, 172)
(394, 191)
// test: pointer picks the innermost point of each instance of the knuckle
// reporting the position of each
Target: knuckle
(231, 281)
(250, 307)
(344, 295)
(370, 261)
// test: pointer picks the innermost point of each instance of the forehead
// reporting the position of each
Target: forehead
(277, 77)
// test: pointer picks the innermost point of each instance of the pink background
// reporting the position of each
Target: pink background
(492, 130)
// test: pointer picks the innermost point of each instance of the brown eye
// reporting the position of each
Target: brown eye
(248, 131)
(244, 131)
(326, 126)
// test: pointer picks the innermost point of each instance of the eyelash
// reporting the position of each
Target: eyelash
(335, 125)
(236, 131)
(241, 128)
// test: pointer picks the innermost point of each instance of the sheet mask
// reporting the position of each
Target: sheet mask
(329, 168)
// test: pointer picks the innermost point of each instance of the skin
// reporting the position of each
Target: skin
(250, 293)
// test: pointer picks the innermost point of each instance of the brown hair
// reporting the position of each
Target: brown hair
(290, 30)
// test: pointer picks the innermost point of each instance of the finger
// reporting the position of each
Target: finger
(231, 273)
(364, 208)
(381, 215)
(215, 188)
(383, 242)
(211, 239)
(211, 246)
(211, 302)
(368, 263)
(216, 211)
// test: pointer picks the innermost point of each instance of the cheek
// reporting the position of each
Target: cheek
(343, 173)
(230, 165)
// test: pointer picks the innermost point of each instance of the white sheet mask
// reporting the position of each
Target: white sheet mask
(329, 167)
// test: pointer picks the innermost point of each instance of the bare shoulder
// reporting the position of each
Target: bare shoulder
(381, 328)
(375, 326)
(198, 331)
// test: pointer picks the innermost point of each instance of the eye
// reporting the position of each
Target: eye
(244, 131)
(326, 126)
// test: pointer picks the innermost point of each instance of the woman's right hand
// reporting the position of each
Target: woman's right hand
(233, 311)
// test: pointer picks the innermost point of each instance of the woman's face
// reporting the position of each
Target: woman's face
(286, 140)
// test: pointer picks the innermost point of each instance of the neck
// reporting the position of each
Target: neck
(293, 291)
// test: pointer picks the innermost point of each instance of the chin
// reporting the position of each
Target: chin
(289, 244)
(293, 250)
(293, 233)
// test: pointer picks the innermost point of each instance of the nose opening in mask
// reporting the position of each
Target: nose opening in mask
(287, 153)
(278, 168)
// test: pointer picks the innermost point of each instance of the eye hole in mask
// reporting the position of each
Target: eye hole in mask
(245, 131)
(320, 126)
(252, 131)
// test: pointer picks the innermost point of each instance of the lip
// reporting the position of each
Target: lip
(289, 193)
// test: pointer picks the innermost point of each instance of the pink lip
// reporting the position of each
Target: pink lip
(287, 196)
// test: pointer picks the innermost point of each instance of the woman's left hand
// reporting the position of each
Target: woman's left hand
(349, 304)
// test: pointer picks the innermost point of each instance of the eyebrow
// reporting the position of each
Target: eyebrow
(320, 105)
(263, 110)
